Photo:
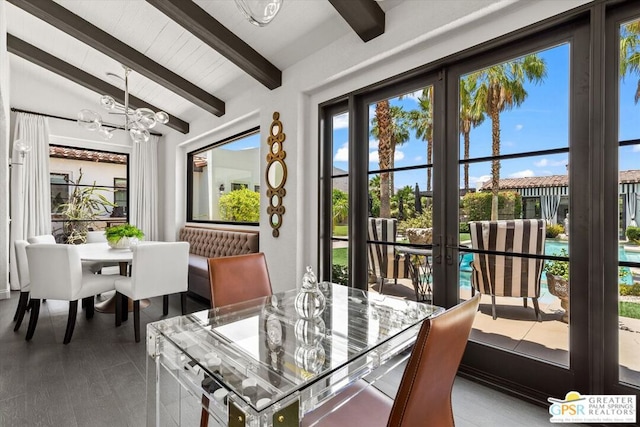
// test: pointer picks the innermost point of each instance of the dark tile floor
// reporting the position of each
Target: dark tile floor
(99, 378)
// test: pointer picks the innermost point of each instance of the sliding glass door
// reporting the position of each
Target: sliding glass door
(516, 163)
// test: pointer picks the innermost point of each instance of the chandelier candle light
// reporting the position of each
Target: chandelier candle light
(137, 122)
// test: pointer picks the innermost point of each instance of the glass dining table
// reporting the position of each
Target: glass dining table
(259, 363)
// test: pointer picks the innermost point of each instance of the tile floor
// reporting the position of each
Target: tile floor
(99, 378)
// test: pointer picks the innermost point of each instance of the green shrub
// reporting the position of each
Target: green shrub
(340, 274)
(240, 205)
(630, 290)
(464, 227)
(553, 230)
(423, 220)
(477, 206)
(633, 234)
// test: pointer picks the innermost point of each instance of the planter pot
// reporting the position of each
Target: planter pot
(559, 287)
(422, 236)
(123, 243)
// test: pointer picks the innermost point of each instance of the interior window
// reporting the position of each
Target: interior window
(224, 181)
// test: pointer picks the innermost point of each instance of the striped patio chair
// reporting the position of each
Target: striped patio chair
(384, 262)
(508, 276)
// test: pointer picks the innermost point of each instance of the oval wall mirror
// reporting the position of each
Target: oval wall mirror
(276, 174)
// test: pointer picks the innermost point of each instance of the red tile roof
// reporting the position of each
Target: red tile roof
(627, 176)
(89, 155)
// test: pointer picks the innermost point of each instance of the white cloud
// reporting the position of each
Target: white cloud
(373, 144)
(477, 181)
(522, 174)
(373, 156)
(550, 163)
(636, 148)
(519, 127)
(418, 158)
(341, 121)
(342, 155)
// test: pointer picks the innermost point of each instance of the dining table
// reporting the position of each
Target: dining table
(266, 362)
(102, 252)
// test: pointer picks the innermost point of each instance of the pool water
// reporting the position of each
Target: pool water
(552, 247)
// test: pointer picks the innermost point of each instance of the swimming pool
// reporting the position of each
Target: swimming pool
(551, 247)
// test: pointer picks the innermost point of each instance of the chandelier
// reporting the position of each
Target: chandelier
(259, 12)
(137, 122)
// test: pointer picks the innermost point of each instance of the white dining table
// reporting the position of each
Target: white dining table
(102, 252)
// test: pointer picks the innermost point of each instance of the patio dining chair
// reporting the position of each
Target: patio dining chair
(384, 261)
(503, 275)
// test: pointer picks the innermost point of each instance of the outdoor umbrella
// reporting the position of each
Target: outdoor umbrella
(418, 200)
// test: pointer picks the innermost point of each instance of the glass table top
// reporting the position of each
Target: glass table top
(263, 351)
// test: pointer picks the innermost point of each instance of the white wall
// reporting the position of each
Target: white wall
(411, 39)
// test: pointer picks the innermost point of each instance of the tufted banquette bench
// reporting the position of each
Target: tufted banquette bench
(211, 243)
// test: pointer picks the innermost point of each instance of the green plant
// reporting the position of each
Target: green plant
(340, 274)
(630, 290)
(423, 220)
(629, 309)
(553, 230)
(115, 233)
(477, 206)
(240, 205)
(558, 268)
(464, 227)
(84, 205)
(633, 234)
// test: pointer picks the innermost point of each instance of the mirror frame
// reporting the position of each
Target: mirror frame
(275, 212)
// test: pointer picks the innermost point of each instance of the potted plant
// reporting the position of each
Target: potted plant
(85, 204)
(558, 281)
(122, 236)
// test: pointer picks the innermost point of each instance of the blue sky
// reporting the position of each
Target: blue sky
(541, 122)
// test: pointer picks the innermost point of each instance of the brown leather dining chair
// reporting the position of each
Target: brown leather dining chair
(235, 279)
(238, 278)
(424, 396)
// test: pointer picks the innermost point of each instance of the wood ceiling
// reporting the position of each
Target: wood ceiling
(181, 49)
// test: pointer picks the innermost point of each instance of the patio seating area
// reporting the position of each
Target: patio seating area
(516, 329)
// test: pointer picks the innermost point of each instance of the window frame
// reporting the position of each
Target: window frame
(190, 171)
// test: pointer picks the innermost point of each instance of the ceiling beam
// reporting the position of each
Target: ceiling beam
(364, 16)
(202, 25)
(72, 24)
(37, 56)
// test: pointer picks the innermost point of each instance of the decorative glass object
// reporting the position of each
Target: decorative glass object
(310, 302)
(136, 122)
(259, 12)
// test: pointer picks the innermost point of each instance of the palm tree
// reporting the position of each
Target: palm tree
(383, 119)
(397, 133)
(501, 88)
(471, 115)
(422, 121)
(630, 52)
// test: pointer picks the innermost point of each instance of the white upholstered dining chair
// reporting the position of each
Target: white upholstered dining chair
(25, 282)
(56, 273)
(158, 268)
(91, 266)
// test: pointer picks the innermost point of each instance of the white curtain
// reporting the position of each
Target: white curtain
(4, 155)
(143, 210)
(30, 183)
(549, 205)
(631, 200)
